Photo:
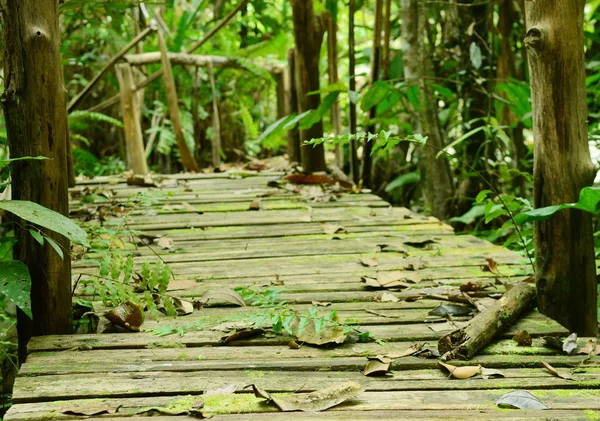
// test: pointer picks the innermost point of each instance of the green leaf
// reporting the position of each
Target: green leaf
(15, 283)
(471, 215)
(589, 198)
(37, 236)
(56, 247)
(46, 218)
(404, 179)
(377, 93)
(476, 57)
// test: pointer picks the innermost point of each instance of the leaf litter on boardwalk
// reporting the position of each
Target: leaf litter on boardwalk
(319, 400)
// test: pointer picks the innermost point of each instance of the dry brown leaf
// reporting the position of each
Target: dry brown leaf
(230, 389)
(255, 205)
(377, 367)
(490, 373)
(591, 348)
(182, 307)
(164, 243)
(127, 315)
(181, 284)
(332, 229)
(555, 372)
(387, 297)
(319, 400)
(88, 409)
(294, 345)
(406, 353)
(320, 304)
(369, 262)
(220, 295)
(462, 373)
(523, 338)
(238, 334)
(491, 266)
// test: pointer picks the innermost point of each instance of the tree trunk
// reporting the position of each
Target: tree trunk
(187, 159)
(309, 31)
(565, 273)
(293, 136)
(375, 68)
(354, 169)
(35, 110)
(216, 127)
(387, 29)
(437, 177)
(332, 64)
(131, 109)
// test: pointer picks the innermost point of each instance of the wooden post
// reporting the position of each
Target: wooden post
(130, 107)
(35, 110)
(187, 159)
(293, 136)
(216, 140)
(564, 248)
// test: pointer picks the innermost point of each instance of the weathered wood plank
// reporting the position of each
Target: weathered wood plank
(536, 326)
(443, 403)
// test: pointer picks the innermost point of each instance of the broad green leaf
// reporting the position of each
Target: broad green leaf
(56, 247)
(475, 54)
(37, 236)
(589, 198)
(471, 215)
(15, 283)
(46, 218)
(375, 95)
(409, 178)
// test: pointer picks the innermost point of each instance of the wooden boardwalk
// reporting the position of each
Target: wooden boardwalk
(291, 244)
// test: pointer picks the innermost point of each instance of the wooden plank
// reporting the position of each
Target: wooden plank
(443, 403)
(537, 326)
(157, 383)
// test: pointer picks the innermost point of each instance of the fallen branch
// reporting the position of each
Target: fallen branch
(464, 343)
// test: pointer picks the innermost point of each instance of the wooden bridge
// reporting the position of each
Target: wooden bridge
(308, 243)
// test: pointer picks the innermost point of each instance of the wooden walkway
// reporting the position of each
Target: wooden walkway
(292, 244)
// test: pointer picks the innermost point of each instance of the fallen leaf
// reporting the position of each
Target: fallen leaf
(398, 279)
(260, 393)
(490, 373)
(238, 334)
(181, 284)
(328, 334)
(454, 310)
(447, 326)
(421, 244)
(88, 409)
(390, 248)
(229, 326)
(164, 243)
(225, 390)
(182, 307)
(227, 295)
(570, 344)
(491, 266)
(413, 349)
(318, 400)
(523, 338)
(293, 345)
(462, 373)
(520, 399)
(555, 372)
(320, 304)
(484, 303)
(332, 229)
(387, 297)
(377, 367)
(127, 315)
(369, 262)
(370, 282)
(591, 348)
(427, 353)
(255, 205)
(418, 266)
(470, 286)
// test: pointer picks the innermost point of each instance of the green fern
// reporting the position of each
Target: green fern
(251, 127)
(82, 117)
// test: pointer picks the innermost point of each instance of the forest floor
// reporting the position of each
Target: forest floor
(313, 250)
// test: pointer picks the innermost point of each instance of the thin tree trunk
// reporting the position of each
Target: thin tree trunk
(387, 28)
(354, 168)
(187, 159)
(309, 30)
(375, 69)
(130, 107)
(293, 135)
(35, 111)
(565, 272)
(332, 62)
(216, 139)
